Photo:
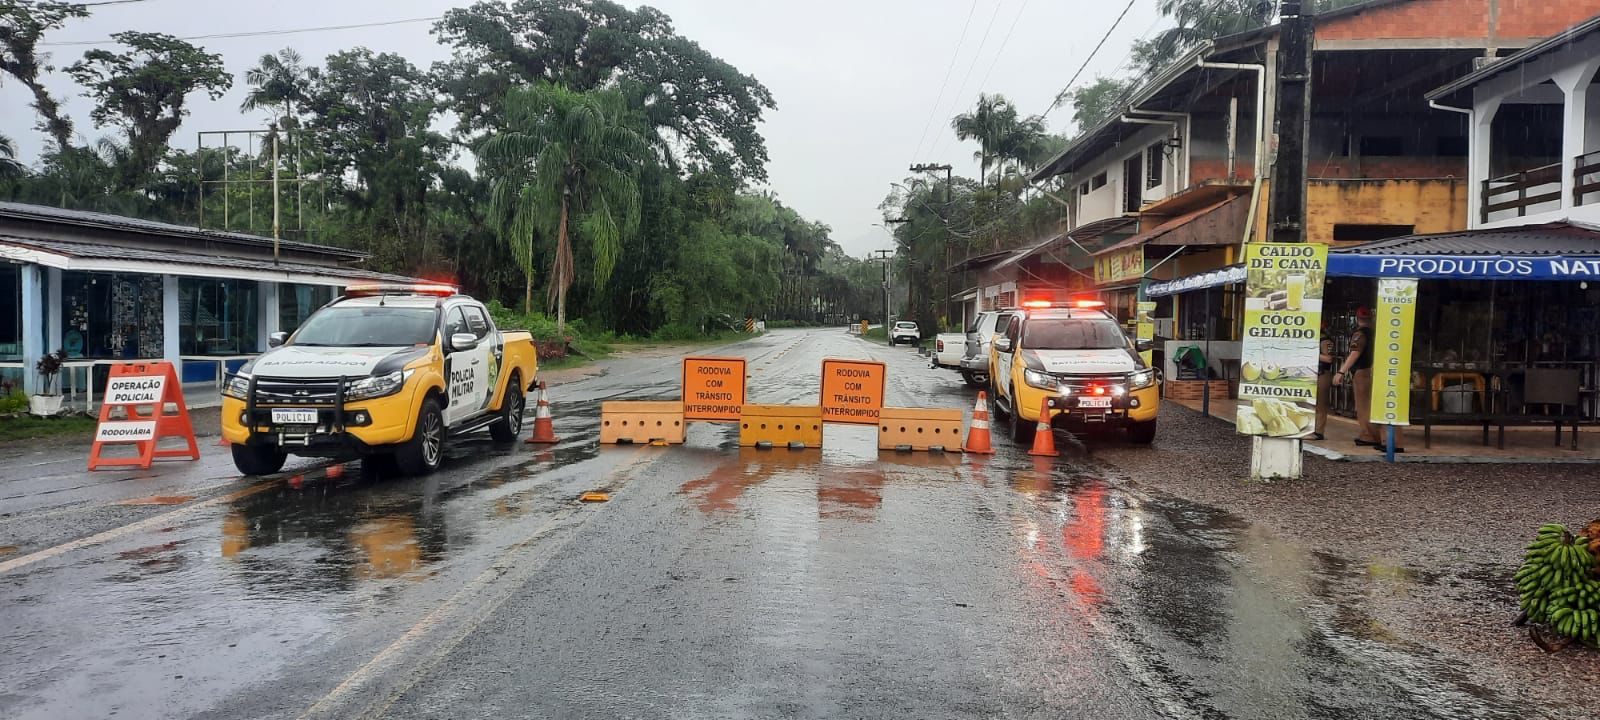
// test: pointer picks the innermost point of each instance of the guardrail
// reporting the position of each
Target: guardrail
(1518, 186)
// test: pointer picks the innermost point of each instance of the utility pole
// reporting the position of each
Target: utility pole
(884, 256)
(944, 252)
(1294, 96)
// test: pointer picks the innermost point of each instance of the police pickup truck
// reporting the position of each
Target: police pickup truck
(385, 372)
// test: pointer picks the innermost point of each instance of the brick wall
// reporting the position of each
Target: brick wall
(1421, 19)
(1429, 205)
(1201, 169)
(1390, 167)
(1194, 390)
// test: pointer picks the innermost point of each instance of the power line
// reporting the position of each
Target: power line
(107, 2)
(255, 33)
(939, 99)
(956, 99)
(1103, 38)
(1020, 9)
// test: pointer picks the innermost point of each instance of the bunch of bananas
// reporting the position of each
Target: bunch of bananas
(1557, 584)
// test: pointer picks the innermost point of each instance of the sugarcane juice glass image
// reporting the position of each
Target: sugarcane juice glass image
(1296, 287)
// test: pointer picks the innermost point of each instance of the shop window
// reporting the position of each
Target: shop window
(1367, 233)
(1154, 165)
(1382, 146)
(1451, 146)
(115, 316)
(11, 315)
(297, 302)
(216, 317)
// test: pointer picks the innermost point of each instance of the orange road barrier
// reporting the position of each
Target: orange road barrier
(919, 429)
(134, 412)
(978, 434)
(544, 429)
(638, 422)
(1044, 439)
(791, 426)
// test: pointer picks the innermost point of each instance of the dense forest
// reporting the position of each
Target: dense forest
(573, 157)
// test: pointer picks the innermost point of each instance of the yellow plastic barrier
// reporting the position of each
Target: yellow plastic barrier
(641, 422)
(919, 429)
(792, 426)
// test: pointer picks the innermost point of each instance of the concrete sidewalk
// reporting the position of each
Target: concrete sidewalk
(1451, 443)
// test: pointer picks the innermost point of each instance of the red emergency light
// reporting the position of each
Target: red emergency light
(1088, 304)
(1099, 390)
(1036, 303)
(399, 289)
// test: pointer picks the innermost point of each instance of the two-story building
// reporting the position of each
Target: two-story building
(1188, 156)
(1508, 308)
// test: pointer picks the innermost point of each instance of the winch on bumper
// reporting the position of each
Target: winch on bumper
(311, 417)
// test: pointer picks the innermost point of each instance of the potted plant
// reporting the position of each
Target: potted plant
(47, 402)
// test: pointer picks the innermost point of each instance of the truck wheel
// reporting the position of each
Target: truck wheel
(1142, 433)
(1021, 430)
(424, 452)
(508, 426)
(258, 459)
(995, 411)
(973, 379)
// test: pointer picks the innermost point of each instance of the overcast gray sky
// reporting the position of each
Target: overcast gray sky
(855, 80)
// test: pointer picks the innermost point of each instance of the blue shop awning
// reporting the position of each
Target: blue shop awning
(1198, 281)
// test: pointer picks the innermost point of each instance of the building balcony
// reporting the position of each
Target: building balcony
(1537, 194)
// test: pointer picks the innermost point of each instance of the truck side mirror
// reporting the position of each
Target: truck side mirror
(1002, 344)
(1144, 345)
(463, 341)
(277, 338)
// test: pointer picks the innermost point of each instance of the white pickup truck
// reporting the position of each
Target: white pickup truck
(948, 349)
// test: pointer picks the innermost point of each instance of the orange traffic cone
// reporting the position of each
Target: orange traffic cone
(1044, 440)
(544, 429)
(978, 434)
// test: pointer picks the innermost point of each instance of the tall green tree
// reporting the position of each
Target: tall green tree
(22, 24)
(567, 165)
(281, 83)
(692, 102)
(144, 91)
(1002, 134)
(1096, 102)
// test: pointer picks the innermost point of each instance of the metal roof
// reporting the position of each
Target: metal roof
(1154, 235)
(107, 221)
(1564, 237)
(213, 265)
(1082, 232)
(1515, 60)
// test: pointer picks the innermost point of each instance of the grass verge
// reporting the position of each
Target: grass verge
(28, 427)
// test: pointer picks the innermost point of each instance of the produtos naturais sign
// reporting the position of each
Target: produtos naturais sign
(1282, 327)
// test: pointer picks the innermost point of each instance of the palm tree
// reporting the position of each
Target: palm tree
(1199, 21)
(987, 122)
(10, 169)
(278, 82)
(566, 165)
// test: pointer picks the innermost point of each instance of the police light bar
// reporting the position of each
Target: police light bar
(1037, 303)
(399, 289)
(1088, 304)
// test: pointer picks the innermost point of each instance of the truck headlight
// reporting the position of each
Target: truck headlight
(378, 386)
(1140, 379)
(237, 387)
(1041, 380)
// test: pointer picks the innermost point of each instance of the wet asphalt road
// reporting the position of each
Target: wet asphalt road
(716, 583)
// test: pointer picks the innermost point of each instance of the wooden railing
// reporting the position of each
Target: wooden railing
(1512, 192)
(1585, 177)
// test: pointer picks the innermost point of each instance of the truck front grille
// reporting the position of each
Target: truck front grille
(296, 391)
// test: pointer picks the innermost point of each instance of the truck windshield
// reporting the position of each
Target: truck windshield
(368, 327)
(1097, 334)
